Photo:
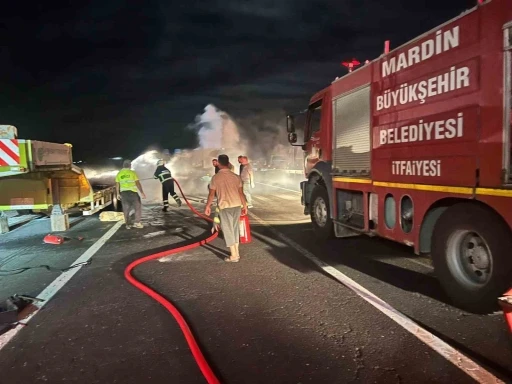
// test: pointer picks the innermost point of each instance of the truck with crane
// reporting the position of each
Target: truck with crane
(41, 177)
(415, 147)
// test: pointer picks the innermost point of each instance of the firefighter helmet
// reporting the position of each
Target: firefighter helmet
(160, 162)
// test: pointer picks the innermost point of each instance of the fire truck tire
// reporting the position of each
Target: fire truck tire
(320, 214)
(471, 256)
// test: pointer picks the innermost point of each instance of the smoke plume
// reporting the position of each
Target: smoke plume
(264, 133)
(258, 136)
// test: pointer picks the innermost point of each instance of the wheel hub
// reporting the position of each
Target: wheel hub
(320, 212)
(478, 256)
(469, 258)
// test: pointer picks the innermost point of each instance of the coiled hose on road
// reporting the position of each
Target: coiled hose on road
(194, 347)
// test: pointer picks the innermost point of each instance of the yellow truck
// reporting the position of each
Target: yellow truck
(41, 177)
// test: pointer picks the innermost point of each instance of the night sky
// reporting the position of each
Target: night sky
(113, 78)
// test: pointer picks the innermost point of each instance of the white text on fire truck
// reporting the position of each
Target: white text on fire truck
(456, 78)
(443, 41)
(416, 167)
(424, 131)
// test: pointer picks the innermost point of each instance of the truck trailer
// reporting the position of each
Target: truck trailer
(415, 147)
(41, 177)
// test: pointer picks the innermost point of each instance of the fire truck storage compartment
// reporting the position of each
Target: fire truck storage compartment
(351, 122)
(350, 208)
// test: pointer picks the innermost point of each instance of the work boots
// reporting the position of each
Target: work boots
(177, 199)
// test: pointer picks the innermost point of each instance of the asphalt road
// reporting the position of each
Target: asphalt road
(275, 317)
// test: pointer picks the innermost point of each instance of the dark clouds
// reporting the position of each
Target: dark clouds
(117, 77)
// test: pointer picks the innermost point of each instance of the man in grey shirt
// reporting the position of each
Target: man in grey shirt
(247, 176)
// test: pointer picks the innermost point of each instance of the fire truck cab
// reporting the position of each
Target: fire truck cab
(415, 147)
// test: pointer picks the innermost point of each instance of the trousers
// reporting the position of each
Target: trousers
(131, 200)
(230, 225)
(246, 187)
(168, 189)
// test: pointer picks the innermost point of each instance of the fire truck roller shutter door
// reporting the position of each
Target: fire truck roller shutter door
(471, 255)
(351, 122)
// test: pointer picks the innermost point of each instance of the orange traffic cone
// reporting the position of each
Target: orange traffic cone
(245, 230)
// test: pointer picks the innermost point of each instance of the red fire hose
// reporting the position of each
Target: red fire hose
(196, 351)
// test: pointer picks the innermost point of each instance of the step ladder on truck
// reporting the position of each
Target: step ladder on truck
(41, 177)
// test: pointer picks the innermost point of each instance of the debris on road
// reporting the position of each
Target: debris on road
(111, 216)
(53, 239)
(15, 309)
(57, 240)
(153, 234)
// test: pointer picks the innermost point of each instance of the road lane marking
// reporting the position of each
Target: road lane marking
(287, 197)
(425, 265)
(288, 222)
(275, 186)
(59, 282)
(262, 198)
(464, 363)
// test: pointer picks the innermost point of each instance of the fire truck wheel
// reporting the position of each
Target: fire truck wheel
(471, 256)
(320, 214)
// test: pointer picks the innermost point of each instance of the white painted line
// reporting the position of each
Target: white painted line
(59, 282)
(288, 222)
(275, 186)
(392, 261)
(413, 260)
(464, 363)
(262, 198)
(287, 197)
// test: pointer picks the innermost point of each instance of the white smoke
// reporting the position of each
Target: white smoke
(261, 137)
(146, 163)
(216, 130)
(258, 137)
(99, 173)
(265, 133)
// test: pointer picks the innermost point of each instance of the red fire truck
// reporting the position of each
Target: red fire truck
(415, 147)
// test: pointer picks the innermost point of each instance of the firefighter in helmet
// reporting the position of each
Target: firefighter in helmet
(163, 174)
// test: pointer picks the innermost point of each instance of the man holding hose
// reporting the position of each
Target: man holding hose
(231, 202)
(163, 174)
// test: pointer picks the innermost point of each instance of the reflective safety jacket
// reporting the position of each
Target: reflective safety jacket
(126, 179)
(162, 174)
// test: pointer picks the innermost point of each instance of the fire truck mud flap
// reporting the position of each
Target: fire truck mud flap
(304, 197)
(471, 256)
(321, 173)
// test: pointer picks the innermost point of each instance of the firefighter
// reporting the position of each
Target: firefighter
(163, 174)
